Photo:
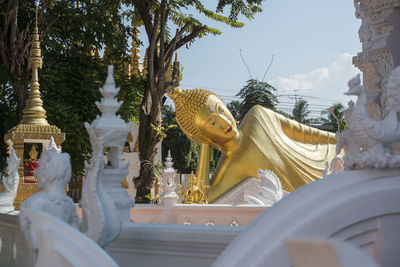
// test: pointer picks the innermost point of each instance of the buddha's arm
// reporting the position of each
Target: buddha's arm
(203, 166)
(304, 133)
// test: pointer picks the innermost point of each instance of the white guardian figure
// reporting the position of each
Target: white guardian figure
(10, 183)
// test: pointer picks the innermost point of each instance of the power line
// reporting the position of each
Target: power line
(284, 95)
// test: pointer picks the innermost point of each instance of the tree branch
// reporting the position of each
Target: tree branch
(169, 86)
(161, 70)
(190, 37)
(178, 35)
(12, 10)
(152, 52)
(146, 15)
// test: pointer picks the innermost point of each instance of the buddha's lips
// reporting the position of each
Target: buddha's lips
(230, 129)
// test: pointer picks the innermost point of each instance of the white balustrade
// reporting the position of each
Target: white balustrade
(14, 250)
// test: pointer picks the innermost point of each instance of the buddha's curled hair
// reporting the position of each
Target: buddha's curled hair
(187, 105)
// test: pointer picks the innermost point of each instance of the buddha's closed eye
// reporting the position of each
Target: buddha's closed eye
(212, 122)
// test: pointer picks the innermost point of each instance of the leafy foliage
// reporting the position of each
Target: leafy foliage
(184, 152)
(89, 26)
(70, 87)
(301, 112)
(71, 32)
(248, 8)
(329, 122)
(8, 118)
(234, 107)
(131, 93)
(257, 93)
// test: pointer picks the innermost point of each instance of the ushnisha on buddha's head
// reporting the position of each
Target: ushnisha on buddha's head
(203, 116)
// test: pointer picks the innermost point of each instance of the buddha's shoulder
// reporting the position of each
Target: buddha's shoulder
(258, 111)
(260, 118)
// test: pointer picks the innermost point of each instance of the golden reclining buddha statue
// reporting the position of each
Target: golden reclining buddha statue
(296, 153)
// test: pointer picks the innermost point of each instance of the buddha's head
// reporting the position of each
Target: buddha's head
(204, 117)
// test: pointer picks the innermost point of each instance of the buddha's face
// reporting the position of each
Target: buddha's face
(215, 122)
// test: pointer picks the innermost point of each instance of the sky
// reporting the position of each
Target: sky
(312, 43)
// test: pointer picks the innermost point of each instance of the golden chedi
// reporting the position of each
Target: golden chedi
(296, 153)
(33, 127)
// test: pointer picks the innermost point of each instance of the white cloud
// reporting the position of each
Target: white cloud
(326, 83)
(301, 81)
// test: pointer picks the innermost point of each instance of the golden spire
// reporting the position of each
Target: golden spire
(146, 59)
(34, 112)
(176, 69)
(172, 73)
(145, 63)
(135, 57)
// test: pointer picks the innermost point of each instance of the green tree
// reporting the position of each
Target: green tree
(169, 24)
(91, 24)
(184, 152)
(329, 122)
(70, 87)
(301, 112)
(257, 93)
(234, 107)
(71, 33)
(8, 119)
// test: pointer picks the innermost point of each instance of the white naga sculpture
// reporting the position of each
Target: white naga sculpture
(266, 190)
(10, 183)
(62, 245)
(335, 166)
(101, 221)
(374, 144)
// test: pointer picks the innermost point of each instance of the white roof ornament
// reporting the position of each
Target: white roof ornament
(109, 106)
(105, 203)
(52, 146)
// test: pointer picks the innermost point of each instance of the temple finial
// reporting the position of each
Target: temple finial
(36, 14)
(135, 56)
(145, 63)
(34, 112)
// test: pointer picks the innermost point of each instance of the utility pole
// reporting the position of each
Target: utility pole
(295, 96)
